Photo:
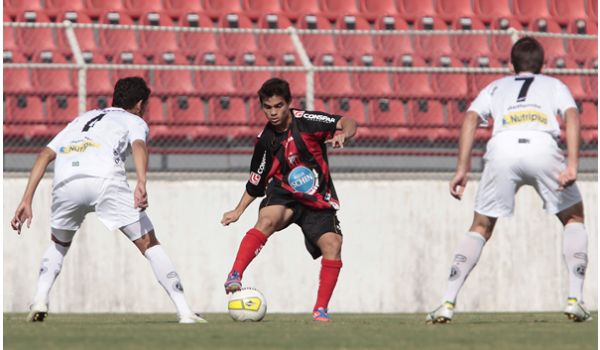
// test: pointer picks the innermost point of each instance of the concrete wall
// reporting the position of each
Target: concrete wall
(399, 237)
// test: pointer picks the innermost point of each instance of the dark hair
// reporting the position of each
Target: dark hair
(129, 91)
(275, 87)
(527, 55)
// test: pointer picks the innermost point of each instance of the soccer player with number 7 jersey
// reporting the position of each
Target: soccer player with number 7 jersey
(523, 150)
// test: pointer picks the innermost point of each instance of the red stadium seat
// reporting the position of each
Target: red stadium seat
(98, 102)
(575, 83)
(349, 107)
(137, 8)
(456, 112)
(354, 46)
(10, 42)
(95, 8)
(492, 10)
(17, 7)
(589, 115)
(155, 112)
(564, 62)
(372, 10)
(185, 110)
(450, 85)
(13, 57)
(56, 8)
(23, 109)
(215, 9)
(62, 109)
(427, 118)
(527, 10)
(479, 81)
(385, 112)
(392, 46)
(373, 84)
(130, 58)
(232, 44)
(591, 8)
(196, 44)
(173, 82)
(333, 9)
(450, 10)
(115, 41)
(583, 49)
(431, 46)
(99, 81)
(272, 45)
(227, 111)
(592, 86)
(214, 83)
(31, 40)
(332, 84)
(468, 47)
(85, 36)
(249, 82)
(180, 8)
(52, 81)
(154, 43)
(413, 11)
(297, 80)
(296, 9)
(316, 44)
(411, 85)
(502, 44)
(567, 11)
(256, 9)
(553, 47)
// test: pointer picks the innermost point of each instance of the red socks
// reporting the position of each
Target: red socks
(330, 269)
(250, 246)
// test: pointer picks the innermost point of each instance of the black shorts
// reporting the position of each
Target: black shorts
(313, 222)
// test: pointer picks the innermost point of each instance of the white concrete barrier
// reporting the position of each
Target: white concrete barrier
(399, 238)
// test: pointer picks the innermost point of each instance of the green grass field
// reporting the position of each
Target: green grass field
(284, 331)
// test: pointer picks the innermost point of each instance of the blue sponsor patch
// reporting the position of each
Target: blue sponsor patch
(304, 180)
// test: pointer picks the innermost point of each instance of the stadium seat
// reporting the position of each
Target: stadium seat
(527, 10)
(272, 45)
(115, 41)
(589, 115)
(232, 44)
(479, 81)
(55, 8)
(154, 43)
(256, 9)
(62, 109)
(373, 84)
(411, 85)
(583, 49)
(99, 81)
(180, 8)
(52, 81)
(492, 10)
(318, 105)
(296, 9)
(450, 85)
(13, 57)
(95, 8)
(138, 8)
(10, 42)
(349, 107)
(215, 9)
(502, 44)
(392, 46)
(591, 8)
(130, 58)
(332, 84)
(98, 102)
(450, 10)
(228, 117)
(553, 47)
(430, 47)
(297, 80)
(386, 112)
(173, 82)
(468, 47)
(186, 110)
(155, 112)
(564, 62)
(217, 82)
(15, 8)
(372, 10)
(332, 9)
(456, 112)
(575, 83)
(30, 40)
(249, 82)
(85, 36)
(24, 109)
(413, 11)
(356, 45)
(196, 44)
(316, 44)
(592, 86)
(428, 121)
(567, 11)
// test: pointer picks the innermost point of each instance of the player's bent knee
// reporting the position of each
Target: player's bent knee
(266, 225)
(330, 243)
(62, 237)
(146, 242)
(572, 214)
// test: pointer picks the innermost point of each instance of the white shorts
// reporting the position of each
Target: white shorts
(517, 158)
(112, 200)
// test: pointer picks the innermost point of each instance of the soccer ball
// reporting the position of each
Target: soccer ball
(247, 304)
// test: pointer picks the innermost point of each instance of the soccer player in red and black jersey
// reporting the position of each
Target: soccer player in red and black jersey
(290, 166)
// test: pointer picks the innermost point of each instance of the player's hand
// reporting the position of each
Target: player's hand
(23, 214)
(566, 178)
(458, 184)
(337, 141)
(140, 196)
(230, 216)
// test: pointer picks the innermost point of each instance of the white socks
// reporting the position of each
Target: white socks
(465, 258)
(575, 244)
(50, 268)
(168, 278)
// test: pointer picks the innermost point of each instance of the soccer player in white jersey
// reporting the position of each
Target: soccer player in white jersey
(523, 150)
(90, 176)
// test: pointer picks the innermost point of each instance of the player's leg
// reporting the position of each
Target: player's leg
(330, 244)
(271, 219)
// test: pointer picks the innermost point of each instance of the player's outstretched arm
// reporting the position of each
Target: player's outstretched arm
(24, 214)
(234, 215)
(140, 158)
(568, 176)
(465, 146)
(348, 128)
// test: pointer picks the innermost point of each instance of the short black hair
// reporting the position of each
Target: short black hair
(527, 55)
(275, 87)
(129, 91)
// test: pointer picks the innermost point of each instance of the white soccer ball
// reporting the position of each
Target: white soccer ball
(247, 304)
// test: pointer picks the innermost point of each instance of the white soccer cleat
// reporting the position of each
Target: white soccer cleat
(190, 319)
(442, 314)
(576, 312)
(38, 312)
